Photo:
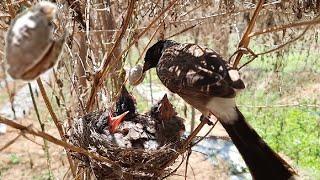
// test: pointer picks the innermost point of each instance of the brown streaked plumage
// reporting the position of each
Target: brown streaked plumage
(203, 79)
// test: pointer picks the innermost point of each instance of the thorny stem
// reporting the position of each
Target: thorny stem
(45, 144)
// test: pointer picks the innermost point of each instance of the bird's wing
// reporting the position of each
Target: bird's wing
(189, 69)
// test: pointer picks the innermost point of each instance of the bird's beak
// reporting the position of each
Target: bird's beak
(146, 67)
(114, 122)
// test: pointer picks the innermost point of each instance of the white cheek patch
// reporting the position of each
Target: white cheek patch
(234, 75)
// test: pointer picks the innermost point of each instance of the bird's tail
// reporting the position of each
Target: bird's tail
(261, 160)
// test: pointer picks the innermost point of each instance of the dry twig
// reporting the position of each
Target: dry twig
(55, 119)
(100, 76)
(54, 140)
(245, 38)
(10, 142)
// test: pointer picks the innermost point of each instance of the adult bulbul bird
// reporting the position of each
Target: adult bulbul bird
(207, 82)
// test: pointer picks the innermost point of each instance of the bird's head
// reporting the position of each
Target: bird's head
(154, 54)
(48, 9)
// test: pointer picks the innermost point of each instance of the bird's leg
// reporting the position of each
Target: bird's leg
(114, 122)
(206, 119)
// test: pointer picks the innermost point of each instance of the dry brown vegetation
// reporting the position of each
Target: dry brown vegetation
(104, 36)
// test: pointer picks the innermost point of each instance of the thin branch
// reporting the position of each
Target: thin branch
(277, 48)
(182, 31)
(187, 163)
(50, 109)
(203, 137)
(54, 140)
(54, 118)
(45, 146)
(10, 142)
(286, 26)
(100, 76)
(245, 38)
(149, 42)
(30, 139)
(285, 44)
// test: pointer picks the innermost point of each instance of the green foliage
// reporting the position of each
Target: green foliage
(14, 159)
(287, 78)
(292, 131)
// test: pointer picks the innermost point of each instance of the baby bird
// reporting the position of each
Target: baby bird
(169, 126)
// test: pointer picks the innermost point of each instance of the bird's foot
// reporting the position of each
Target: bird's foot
(206, 119)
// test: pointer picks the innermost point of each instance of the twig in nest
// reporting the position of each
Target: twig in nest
(245, 38)
(54, 140)
(175, 170)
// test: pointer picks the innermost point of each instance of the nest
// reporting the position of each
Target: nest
(136, 162)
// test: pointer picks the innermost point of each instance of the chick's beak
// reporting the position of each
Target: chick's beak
(114, 122)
